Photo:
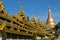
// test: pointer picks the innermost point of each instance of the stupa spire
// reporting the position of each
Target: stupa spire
(50, 19)
(38, 21)
(1, 6)
(21, 13)
(20, 4)
(33, 19)
(49, 12)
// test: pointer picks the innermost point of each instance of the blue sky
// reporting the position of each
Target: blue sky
(39, 7)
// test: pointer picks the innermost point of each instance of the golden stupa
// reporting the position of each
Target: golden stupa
(50, 19)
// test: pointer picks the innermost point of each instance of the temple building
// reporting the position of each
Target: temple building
(20, 27)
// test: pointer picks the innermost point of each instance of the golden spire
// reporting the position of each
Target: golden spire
(49, 12)
(20, 4)
(21, 13)
(1, 6)
(50, 19)
(38, 21)
(21, 10)
(33, 19)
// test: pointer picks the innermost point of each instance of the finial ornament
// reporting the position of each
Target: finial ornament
(38, 16)
(33, 19)
(49, 12)
(1, 6)
(21, 4)
(32, 13)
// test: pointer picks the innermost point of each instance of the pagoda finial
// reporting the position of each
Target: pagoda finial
(33, 19)
(1, 6)
(32, 13)
(38, 16)
(38, 21)
(20, 4)
(49, 12)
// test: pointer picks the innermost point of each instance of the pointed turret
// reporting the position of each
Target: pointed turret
(38, 21)
(50, 19)
(21, 13)
(33, 19)
(1, 6)
(21, 5)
